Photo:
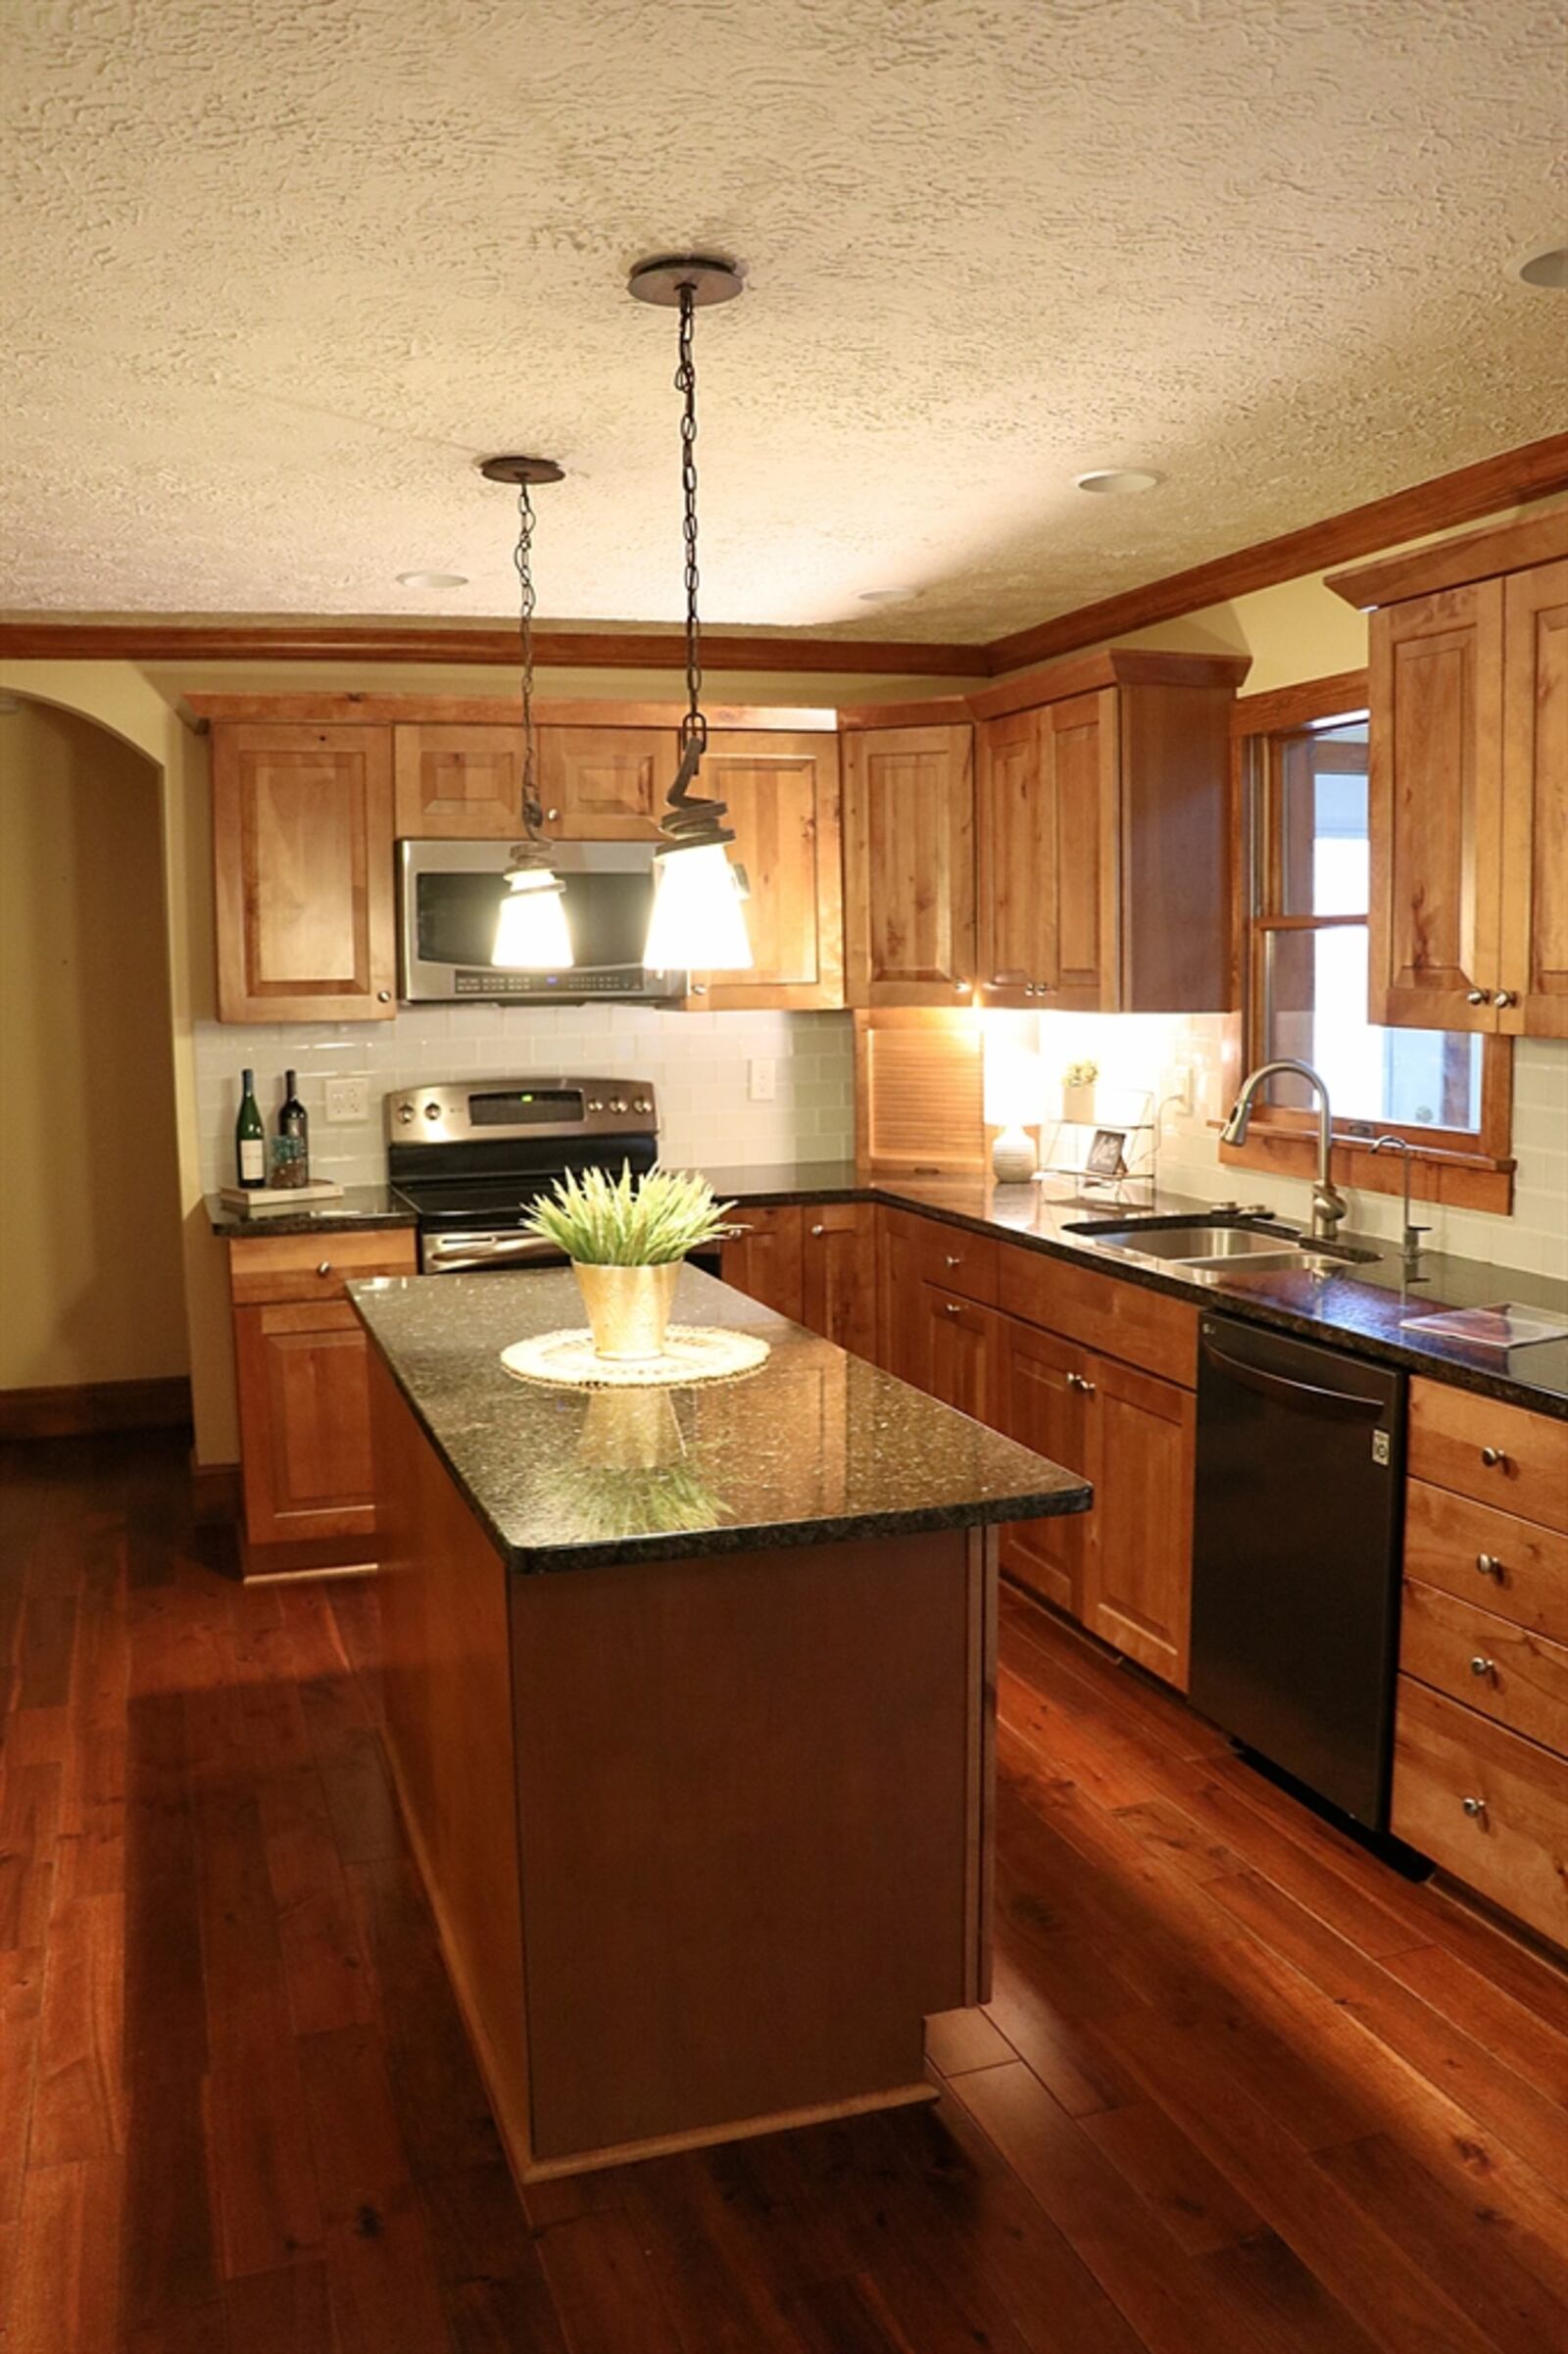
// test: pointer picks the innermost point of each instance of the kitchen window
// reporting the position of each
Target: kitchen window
(1305, 859)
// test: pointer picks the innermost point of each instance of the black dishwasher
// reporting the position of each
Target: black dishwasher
(1296, 1558)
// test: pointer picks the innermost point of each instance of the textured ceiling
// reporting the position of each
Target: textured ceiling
(283, 268)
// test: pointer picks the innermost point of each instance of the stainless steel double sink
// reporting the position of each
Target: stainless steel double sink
(1213, 1247)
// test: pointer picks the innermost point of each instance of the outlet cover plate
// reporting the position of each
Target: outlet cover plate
(347, 1100)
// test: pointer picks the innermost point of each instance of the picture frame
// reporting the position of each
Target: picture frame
(1107, 1154)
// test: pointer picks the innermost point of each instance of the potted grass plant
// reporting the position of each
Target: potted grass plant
(627, 1237)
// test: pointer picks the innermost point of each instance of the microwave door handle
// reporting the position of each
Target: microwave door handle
(1307, 1398)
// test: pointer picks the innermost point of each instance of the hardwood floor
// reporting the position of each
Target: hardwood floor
(1239, 2088)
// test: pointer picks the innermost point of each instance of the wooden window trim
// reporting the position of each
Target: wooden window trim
(1460, 1168)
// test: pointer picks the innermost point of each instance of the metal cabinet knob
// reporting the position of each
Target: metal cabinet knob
(953, 1309)
(1475, 997)
(818, 1230)
(1475, 1807)
(1480, 1665)
(699, 989)
(551, 815)
(1490, 1565)
(1493, 1456)
(325, 1267)
(1076, 1381)
(384, 997)
(961, 988)
(1507, 997)
(954, 1259)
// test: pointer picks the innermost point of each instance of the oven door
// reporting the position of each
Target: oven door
(503, 1252)
(449, 898)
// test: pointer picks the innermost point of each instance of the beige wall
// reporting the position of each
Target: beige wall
(89, 1202)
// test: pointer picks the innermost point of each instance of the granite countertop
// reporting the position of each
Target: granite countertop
(361, 1205)
(815, 1447)
(1359, 1306)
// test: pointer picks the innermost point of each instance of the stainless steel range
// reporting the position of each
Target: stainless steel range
(471, 1159)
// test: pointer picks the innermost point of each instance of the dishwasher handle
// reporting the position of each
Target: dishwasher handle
(1307, 1398)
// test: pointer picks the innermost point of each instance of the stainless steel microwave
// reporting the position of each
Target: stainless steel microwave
(450, 894)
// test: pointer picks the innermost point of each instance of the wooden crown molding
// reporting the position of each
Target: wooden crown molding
(1510, 479)
(1478, 555)
(1113, 666)
(204, 706)
(1297, 707)
(39, 639)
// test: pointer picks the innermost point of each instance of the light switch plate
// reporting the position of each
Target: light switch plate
(762, 1079)
(348, 1099)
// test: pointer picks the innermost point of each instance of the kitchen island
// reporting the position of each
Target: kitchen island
(689, 1699)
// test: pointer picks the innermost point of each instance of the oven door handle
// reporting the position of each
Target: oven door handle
(450, 1252)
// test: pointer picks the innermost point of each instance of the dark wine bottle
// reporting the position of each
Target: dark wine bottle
(250, 1136)
(293, 1120)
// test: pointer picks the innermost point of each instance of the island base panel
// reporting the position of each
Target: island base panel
(747, 1789)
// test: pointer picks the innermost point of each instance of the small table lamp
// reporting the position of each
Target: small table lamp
(1014, 1079)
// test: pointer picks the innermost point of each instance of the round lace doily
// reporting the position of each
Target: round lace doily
(693, 1352)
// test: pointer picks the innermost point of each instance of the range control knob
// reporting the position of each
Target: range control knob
(432, 1111)
(404, 1113)
(618, 1104)
(596, 1104)
(642, 1104)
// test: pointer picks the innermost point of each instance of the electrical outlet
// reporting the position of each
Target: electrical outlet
(762, 1082)
(1180, 1088)
(348, 1099)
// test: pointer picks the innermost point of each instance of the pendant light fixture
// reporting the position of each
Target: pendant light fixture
(532, 930)
(698, 922)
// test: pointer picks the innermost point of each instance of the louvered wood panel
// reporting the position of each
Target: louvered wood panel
(924, 1099)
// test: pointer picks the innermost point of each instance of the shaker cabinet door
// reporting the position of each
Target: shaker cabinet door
(763, 1260)
(1535, 804)
(838, 1269)
(604, 784)
(1436, 809)
(458, 784)
(302, 857)
(1139, 1569)
(1045, 1406)
(909, 862)
(305, 1421)
(782, 795)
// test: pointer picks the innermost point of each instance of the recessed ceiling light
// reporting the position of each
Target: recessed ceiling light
(1111, 481)
(433, 579)
(1547, 269)
(886, 595)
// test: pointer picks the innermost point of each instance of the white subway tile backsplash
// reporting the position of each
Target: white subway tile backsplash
(697, 1062)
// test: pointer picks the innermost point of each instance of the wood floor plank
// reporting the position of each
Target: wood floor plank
(325, 1965)
(21, 2003)
(956, 2040)
(604, 2288)
(78, 2107)
(1201, 2210)
(1465, 1995)
(284, 2312)
(64, 2285)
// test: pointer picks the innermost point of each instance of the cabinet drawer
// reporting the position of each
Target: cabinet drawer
(1488, 1559)
(1499, 1455)
(274, 1267)
(1144, 1329)
(1515, 1677)
(1511, 1843)
(966, 1263)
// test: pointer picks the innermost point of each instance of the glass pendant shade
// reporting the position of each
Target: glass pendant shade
(531, 931)
(698, 922)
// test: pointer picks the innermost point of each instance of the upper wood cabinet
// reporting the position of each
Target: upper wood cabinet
(595, 784)
(604, 784)
(782, 792)
(1103, 832)
(302, 850)
(458, 783)
(1534, 943)
(908, 865)
(1469, 781)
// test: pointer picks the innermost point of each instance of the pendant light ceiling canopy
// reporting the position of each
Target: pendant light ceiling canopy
(532, 934)
(698, 919)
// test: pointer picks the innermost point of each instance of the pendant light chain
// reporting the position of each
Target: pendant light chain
(522, 558)
(694, 727)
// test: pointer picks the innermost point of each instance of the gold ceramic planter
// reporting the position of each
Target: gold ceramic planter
(628, 1309)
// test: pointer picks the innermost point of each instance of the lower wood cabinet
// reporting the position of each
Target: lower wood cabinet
(838, 1274)
(301, 1360)
(1138, 1571)
(1484, 1803)
(817, 1265)
(763, 1260)
(1043, 1406)
(962, 1353)
(305, 1421)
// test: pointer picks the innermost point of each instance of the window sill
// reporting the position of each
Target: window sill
(1455, 1180)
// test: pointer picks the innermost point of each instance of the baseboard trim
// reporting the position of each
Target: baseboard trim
(76, 1410)
(215, 1489)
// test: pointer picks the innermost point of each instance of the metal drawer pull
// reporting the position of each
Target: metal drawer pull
(1473, 1807)
(953, 1309)
(1482, 1666)
(1489, 1565)
(1076, 1381)
(1492, 1457)
(1475, 997)
(325, 1267)
(954, 1259)
(820, 1230)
